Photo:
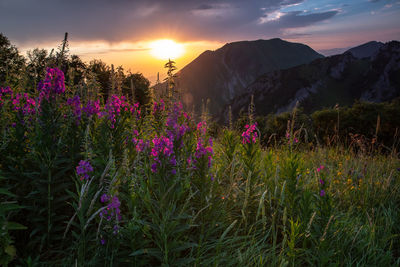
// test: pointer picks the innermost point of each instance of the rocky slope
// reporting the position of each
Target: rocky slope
(339, 79)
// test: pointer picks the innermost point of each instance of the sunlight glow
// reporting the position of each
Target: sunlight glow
(166, 49)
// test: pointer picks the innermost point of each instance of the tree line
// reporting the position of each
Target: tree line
(94, 78)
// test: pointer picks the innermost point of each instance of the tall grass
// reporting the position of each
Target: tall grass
(164, 192)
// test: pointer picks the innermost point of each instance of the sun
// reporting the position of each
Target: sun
(166, 49)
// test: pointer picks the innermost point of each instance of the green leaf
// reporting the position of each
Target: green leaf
(15, 226)
(4, 191)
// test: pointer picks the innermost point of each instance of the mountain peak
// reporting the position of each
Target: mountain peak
(223, 74)
(365, 50)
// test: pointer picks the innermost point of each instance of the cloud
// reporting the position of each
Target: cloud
(204, 7)
(297, 19)
(125, 20)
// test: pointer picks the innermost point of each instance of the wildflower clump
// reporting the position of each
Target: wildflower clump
(204, 149)
(111, 213)
(84, 169)
(53, 83)
(112, 209)
(163, 147)
(250, 135)
(116, 105)
(158, 107)
(176, 128)
(140, 144)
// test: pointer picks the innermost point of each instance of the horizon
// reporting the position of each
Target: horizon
(121, 32)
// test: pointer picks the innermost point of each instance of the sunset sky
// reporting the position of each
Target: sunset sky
(122, 31)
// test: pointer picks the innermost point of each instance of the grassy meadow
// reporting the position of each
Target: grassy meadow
(93, 181)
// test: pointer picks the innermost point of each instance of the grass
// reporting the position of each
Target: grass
(184, 200)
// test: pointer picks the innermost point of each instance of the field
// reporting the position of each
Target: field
(88, 182)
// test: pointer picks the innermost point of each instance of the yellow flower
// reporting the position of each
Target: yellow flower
(349, 181)
(352, 187)
(339, 173)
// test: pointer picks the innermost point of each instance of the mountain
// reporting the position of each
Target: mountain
(223, 74)
(326, 81)
(365, 50)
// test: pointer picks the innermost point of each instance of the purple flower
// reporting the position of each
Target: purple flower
(116, 104)
(141, 145)
(158, 107)
(75, 103)
(102, 241)
(321, 181)
(202, 127)
(83, 169)
(53, 83)
(104, 198)
(163, 147)
(92, 108)
(322, 193)
(250, 135)
(112, 208)
(154, 167)
(115, 229)
(202, 150)
(176, 129)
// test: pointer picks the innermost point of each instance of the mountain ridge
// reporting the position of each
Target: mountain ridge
(324, 82)
(224, 73)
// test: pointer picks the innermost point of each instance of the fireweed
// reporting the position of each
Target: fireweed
(19, 102)
(159, 225)
(112, 208)
(111, 213)
(53, 84)
(163, 148)
(176, 127)
(250, 134)
(118, 104)
(140, 144)
(84, 169)
(204, 148)
(78, 109)
(158, 107)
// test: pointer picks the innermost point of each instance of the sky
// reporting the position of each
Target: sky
(121, 31)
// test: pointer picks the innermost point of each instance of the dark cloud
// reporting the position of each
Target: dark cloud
(297, 19)
(204, 7)
(122, 20)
